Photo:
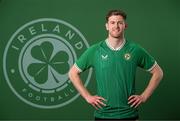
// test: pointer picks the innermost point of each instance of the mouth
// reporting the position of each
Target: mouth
(117, 31)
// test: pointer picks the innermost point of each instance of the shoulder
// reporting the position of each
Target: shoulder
(133, 45)
(136, 48)
(95, 47)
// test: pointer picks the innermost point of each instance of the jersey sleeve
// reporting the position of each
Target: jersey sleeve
(146, 61)
(85, 61)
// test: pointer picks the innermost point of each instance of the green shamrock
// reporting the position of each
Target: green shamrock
(39, 71)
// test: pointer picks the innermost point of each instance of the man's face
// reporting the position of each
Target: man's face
(116, 26)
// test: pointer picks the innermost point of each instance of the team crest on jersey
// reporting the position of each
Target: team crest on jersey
(127, 56)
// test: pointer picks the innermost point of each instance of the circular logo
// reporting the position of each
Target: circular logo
(127, 56)
(37, 59)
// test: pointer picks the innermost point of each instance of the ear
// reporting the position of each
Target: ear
(106, 26)
(126, 25)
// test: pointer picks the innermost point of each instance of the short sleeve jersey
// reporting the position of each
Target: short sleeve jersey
(115, 75)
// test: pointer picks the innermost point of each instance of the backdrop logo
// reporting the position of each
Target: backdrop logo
(37, 59)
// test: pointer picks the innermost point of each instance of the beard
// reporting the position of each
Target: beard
(116, 34)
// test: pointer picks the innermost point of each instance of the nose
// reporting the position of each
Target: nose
(116, 25)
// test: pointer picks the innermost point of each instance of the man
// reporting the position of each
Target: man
(115, 61)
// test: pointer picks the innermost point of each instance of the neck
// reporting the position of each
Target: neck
(115, 42)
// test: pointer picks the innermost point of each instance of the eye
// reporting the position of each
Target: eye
(120, 22)
(112, 22)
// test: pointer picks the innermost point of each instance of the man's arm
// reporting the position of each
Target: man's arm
(157, 74)
(95, 101)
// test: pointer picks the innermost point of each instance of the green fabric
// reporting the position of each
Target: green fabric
(115, 75)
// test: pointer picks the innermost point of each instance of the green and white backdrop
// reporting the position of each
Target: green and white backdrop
(41, 39)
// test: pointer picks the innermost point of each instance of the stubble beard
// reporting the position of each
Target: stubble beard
(119, 35)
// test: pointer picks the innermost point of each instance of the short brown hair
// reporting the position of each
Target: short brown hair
(116, 12)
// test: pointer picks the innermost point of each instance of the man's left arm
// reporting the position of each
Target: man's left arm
(157, 75)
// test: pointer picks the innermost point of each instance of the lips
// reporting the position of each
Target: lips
(116, 30)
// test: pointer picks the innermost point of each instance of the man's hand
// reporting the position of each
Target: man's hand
(96, 101)
(136, 100)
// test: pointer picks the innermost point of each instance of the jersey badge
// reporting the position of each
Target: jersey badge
(127, 56)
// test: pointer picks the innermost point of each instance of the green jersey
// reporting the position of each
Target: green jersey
(115, 75)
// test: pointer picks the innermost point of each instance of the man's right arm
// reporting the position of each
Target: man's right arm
(95, 101)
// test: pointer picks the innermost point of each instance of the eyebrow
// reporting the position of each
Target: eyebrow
(116, 21)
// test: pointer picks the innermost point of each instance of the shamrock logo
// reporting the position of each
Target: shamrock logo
(46, 62)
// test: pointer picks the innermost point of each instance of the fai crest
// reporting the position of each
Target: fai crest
(37, 59)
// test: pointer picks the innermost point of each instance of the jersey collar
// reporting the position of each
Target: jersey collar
(115, 49)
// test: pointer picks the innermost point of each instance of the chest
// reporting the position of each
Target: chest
(109, 60)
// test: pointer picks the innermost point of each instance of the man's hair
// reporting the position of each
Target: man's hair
(116, 12)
